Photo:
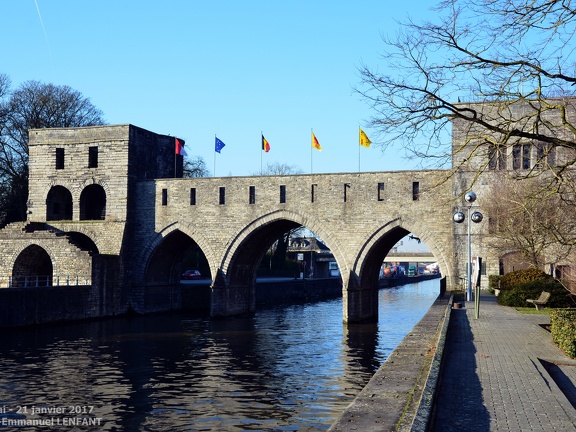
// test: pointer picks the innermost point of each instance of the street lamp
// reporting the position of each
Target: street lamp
(475, 217)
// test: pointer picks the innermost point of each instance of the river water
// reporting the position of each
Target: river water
(290, 368)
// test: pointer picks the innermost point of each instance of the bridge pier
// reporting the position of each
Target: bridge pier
(360, 304)
(232, 300)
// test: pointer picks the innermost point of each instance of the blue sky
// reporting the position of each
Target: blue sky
(234, 69)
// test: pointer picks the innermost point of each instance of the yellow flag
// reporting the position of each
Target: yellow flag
(364, 140)
(315, 142)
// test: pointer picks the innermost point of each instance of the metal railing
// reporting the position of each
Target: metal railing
(44, 281)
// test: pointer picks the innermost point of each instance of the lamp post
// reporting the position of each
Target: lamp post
(475, 217)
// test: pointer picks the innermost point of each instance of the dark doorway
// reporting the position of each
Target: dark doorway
(93, 203)
(59, 204)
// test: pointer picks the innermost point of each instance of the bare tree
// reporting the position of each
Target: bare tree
(278, 168)
(515, 56)
(195, 167)
(32, 105)
(525, 217)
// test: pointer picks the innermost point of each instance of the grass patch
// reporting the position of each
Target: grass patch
(533, 311)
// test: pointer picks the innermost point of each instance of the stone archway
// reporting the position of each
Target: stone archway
(32, 267)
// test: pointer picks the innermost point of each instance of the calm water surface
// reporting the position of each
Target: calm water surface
(293, 368)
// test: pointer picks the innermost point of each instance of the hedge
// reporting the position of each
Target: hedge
(518, 277)
(517, 296)
(563, 323)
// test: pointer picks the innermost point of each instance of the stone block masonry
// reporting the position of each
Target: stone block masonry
(107, 200)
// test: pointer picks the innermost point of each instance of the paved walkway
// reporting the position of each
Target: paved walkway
(502, 372)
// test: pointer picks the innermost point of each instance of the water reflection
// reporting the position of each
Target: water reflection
(289, 368)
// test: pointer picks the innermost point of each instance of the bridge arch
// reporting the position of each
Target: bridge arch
(373, 252)
(273, 223)
(361, 301)
(160, 263)
(234, 285)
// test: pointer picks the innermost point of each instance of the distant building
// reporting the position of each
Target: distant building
(315, 256)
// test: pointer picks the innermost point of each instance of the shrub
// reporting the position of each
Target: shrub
(517, 296)
(493, 282)
(515, 278)
(563, 324)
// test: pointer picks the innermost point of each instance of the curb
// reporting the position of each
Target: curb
(426, 406)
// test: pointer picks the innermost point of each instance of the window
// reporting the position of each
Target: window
(59, 158)
(415, 191)
(313, 192)
(516, 157)
(164, 197)
(521, 156)
(502, 161)
(282, 194)
(492, 157)
(192, 196)
(380, 191)
(346, 187)
(540, 154)
(496, 158)
(92, 157)
(252, 195)
(222, 195)
(526, 156)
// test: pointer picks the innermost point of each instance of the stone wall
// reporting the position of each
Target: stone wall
(69, 263)
(37, 305)
(347, 210)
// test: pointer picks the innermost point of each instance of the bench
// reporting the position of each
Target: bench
(540, 301)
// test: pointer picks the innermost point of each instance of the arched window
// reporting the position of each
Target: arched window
(59, 204)
(93, 203)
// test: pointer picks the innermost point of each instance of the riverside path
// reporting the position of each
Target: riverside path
(502, 372)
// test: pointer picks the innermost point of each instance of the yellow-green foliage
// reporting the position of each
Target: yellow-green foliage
(494, 281)
(563, 323)
(518, 277)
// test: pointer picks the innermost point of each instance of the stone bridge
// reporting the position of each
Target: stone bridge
(110, 201)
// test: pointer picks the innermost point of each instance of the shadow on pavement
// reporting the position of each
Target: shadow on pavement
(563, 382)
(458, 402)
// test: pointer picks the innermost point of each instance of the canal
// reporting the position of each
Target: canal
(290, 368)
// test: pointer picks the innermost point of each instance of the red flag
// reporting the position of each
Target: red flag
(180, 148)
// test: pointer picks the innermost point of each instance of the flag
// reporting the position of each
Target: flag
(364, 140)
(219, 145)
(315, 142)
(180, 147)
(265, 144)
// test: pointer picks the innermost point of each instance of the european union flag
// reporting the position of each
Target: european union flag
(219, 145)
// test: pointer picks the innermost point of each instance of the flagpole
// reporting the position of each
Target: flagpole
(359, 148)
(261, 150)
(311, 148)
(214, 155)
